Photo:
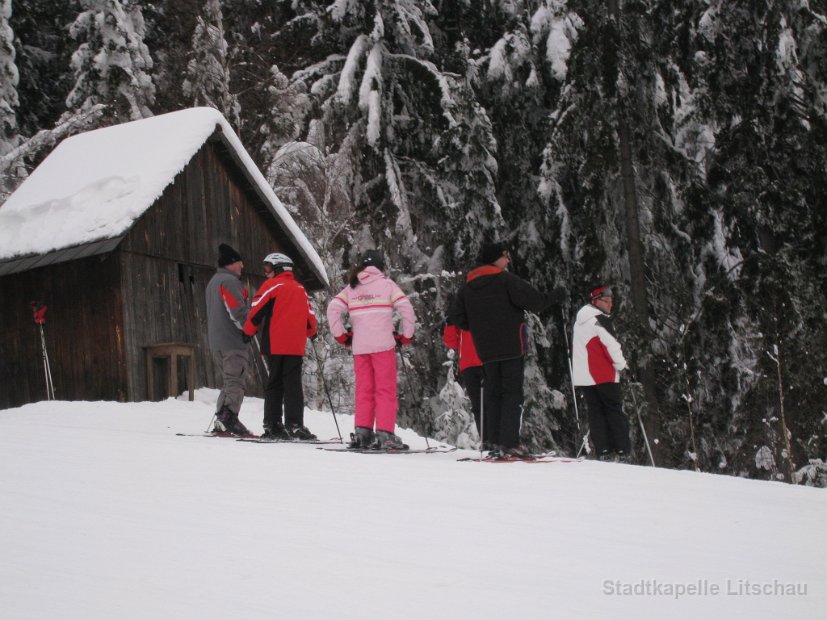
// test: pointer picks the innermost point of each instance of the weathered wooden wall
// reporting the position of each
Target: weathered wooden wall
(170, 255)
(84, 327)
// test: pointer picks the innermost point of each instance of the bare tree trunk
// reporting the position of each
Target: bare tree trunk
(787, 451)
(637, 272)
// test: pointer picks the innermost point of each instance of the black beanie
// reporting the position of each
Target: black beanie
(373, 258)
(227, 255)
(491, 252)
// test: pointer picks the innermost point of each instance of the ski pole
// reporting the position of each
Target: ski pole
(326, 391)
(571, 378)
(406, 376)
(47, 367)
(482, 417)
(263, 371)
(643, 430)
(50, 385)
(585, 445)
(39, 311)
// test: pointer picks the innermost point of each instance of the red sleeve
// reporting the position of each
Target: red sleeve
(250, 328)
(311, 321)
(450, 336)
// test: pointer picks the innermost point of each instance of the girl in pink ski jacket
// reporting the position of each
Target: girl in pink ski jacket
(371, 299)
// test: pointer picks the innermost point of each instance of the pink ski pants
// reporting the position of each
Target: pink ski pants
(376, 399)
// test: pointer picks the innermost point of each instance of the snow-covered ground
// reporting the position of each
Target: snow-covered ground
(106, 513)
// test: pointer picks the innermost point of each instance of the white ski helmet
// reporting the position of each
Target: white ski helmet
(277, 259)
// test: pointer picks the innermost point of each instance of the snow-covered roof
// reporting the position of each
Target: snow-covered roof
(95, 185)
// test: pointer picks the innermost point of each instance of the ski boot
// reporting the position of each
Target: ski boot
(517, 453)
(361, 439)
(300, 432)
(223, 421)
(226, 421)
(238, 428)
(388, 441)
(275, 432)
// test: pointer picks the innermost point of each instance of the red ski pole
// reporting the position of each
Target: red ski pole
(39, 312)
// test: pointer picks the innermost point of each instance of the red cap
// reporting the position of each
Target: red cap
(602, 291)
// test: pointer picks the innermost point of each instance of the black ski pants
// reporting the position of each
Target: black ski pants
(284, 391)
(608, 426)
(472, 380)
(503, 402)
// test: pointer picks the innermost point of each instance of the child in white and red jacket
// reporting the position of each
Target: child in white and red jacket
(371, 299)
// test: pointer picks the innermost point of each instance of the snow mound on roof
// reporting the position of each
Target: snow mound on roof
(96, 184)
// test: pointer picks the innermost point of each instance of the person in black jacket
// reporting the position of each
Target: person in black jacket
(491, 305)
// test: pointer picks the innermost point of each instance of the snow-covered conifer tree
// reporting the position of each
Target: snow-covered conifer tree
(208, 73)
(112, 62)
(9, 78)
(287, 104)
(8, 97)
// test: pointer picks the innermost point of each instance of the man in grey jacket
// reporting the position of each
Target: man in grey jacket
(227, 309)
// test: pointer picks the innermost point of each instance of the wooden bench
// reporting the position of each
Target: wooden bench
(170, 351)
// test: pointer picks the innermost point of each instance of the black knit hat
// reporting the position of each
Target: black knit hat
(373, 258)
(491, 252)
(227, 255)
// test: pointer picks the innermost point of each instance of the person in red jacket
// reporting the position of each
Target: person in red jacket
(470, 368)
(282, 314)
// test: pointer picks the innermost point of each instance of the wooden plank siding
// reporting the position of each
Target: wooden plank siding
(170, 255)
(209, 202)
(83, 323)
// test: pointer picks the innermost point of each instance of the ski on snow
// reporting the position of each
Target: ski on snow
(222, 435)
(322, 444)
(372, 451)
(534, 458)
(256, 439)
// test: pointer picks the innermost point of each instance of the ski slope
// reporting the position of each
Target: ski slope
(106, 513)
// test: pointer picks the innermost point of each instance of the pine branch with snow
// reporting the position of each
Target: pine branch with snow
(111, 62)
(207, 81)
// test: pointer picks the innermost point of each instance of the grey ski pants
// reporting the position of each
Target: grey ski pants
(233, 365)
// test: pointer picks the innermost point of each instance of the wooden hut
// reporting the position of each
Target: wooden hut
(117, 233)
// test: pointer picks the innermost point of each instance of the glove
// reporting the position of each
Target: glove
(247, 339)
(345, 339)
(39, 311)
(400, 340)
